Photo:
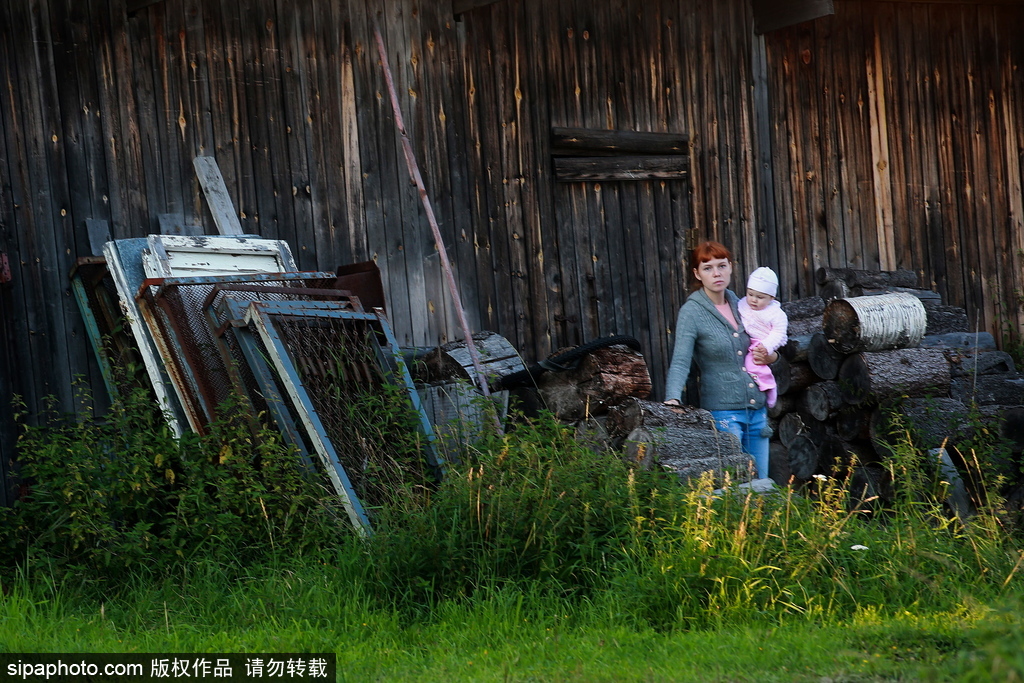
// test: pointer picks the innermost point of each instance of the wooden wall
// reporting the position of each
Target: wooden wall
(590, 259)
(106, 102)
(104, 109)
(887, 135)
(898, 131)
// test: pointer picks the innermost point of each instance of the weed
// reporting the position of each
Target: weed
(529, 512)
(109, 497)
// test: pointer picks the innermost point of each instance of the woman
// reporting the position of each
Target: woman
(709, 331)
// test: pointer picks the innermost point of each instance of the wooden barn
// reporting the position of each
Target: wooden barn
(571, 150)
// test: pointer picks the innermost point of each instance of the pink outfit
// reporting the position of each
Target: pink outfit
(768, 328)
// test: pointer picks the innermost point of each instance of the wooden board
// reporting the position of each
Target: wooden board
(173, 256)
(217, 198)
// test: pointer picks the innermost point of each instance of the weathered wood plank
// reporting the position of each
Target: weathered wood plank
(441, 62)
(881, 162)
(863, 224)
(476, 53)
(133, 6)
(575, 169)
(462, 6)
(230, 121)
(1012, 108)
(525, 220)
(765, 181)
(945, 65)
(430, 297)
(587, 140)
(175, 130)
(990, 179)
(577, 275)
(217, 198)
(386, 200)
(906, 168)
(504, 173)
(296, 39)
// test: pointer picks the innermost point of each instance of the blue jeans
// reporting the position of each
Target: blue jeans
(749, 426)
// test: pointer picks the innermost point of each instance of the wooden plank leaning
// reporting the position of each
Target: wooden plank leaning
(217, 197)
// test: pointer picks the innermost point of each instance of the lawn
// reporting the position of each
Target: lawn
(507, 636)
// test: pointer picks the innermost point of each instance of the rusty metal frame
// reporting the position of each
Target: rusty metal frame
(177, 345)
(124, 261)
(259, 316)
(272, 395)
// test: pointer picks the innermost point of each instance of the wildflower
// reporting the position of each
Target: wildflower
(858, 547)
(820, 477)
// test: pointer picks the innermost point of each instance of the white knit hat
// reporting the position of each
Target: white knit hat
(764, 280)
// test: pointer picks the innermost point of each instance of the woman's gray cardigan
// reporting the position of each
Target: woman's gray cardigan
(704, 336)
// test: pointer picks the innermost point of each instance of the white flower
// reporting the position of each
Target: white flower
(858, 547)
(820, 477)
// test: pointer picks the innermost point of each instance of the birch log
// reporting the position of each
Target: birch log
(875, 323)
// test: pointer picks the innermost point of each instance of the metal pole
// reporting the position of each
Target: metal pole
(414, 172)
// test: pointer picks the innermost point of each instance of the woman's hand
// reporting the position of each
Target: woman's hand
(674, 402)
(762, 357)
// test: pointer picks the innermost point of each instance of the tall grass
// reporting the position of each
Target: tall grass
(531, 530)
(534, 508)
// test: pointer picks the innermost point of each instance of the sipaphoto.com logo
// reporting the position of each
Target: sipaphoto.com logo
(73, 669)
(138, 667)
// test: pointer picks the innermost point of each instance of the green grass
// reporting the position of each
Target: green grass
(537, 559)
(508, 635)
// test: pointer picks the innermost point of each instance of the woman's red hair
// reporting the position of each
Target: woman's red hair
(709, 251)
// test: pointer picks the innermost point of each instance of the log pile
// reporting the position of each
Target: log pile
(851, 363)
(601, 379)
(602, 394)
(680, 439)
(885, 348)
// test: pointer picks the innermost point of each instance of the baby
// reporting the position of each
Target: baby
(766, 323)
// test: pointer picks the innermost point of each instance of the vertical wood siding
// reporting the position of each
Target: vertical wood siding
(583, 260)
(896, 132)
(897, 142)
(103, 111)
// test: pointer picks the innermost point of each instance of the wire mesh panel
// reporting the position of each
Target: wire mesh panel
(354, 399)
(175, 311)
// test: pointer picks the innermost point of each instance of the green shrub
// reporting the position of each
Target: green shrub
(531, 511)
(108, 496)
(529, 505)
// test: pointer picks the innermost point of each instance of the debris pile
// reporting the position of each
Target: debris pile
(228, 324)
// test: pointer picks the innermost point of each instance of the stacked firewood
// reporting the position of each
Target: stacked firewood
(882, 347)
(601, 392)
